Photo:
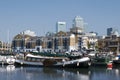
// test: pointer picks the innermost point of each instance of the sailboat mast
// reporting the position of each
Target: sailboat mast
(8, 41)
(23, 41)
(2, 45)
(118, 48)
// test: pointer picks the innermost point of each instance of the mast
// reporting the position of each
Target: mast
(2, 45)
(8, 46)
(23, 41)
(118, 48)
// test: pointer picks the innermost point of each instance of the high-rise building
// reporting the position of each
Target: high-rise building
(78, 22)
(78, 25)
(61, 26)
(109, 31)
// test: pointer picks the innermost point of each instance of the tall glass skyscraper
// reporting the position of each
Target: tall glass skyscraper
(78, 22)
(61, 26)
(109, 31)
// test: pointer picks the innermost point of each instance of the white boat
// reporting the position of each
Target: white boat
(43, 61)
(6, 59)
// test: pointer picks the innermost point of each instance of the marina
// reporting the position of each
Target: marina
(60, 40)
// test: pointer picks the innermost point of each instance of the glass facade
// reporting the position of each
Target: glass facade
(78, 22)
(61, 26)
(109, 31)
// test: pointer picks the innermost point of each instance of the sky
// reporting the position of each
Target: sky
(41, 16)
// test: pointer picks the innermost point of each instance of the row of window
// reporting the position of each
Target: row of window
(22, 44)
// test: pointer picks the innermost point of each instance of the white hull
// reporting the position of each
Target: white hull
(23, 62)
(7, 60)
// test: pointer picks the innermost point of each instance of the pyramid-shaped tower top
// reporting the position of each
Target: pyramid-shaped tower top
(78, 18)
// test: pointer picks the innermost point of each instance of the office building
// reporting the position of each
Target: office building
(109, 31)
(61, 26)
(78, 22)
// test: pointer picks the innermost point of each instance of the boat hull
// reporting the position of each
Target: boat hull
(100, 62)
(84, 62)
(7, 62)
(116, 61)
(74, 65)
(27, 63)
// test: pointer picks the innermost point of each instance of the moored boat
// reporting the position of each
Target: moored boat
(7, 59)
(116, 61)
(101, 60)
(45, 61)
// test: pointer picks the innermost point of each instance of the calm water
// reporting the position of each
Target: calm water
(32, 73)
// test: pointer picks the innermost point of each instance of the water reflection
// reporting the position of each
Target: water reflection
(105, 74)
(67, 74)
(10, 68)
(35, 73)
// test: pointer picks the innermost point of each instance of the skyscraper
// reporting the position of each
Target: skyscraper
(109, 31)
(61, 26)
(78, 22)
(78, 25)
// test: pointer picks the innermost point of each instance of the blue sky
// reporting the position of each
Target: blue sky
(41, 15)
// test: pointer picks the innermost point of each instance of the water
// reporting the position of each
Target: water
(35, 73)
